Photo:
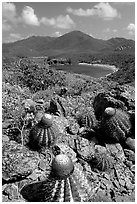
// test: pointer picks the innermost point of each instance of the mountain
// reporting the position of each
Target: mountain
(74, 42)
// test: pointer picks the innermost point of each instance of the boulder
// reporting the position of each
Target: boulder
(17, 161)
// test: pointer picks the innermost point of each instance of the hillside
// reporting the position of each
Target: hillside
(75, 42)
(102, 150)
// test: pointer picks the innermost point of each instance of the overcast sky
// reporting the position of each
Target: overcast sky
(100, 20)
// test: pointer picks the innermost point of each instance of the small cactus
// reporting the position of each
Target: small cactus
(102, 162)
(44, 133)
(86, 119)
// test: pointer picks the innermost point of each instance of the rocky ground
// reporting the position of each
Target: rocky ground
(113, 169)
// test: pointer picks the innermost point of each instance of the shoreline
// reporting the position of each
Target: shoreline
(111, 67)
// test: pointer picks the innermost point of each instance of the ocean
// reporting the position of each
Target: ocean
(95, 71)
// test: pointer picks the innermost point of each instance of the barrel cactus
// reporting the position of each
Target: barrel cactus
(115, 125)
(68, 182)
(102, 162)
(86, 119)
(44, 133)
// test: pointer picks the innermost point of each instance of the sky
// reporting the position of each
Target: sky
(101, 20)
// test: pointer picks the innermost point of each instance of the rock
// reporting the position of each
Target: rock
(73, 128)
(5, 138)
(23, 182)
(130, 143)
(123, 190)
(33, 176)
(11, 191)
(130, 155)
(45, 164)
(116, 183)
(100, 149)
(17, 161)
(121, 182)
(116, 151)
(85, 149)
(6, 125)
(5, 198)
(106, 176)
(61, 123)
(42, 177)
(129, 185)
(127, 97)
(128, 163)
(101, 196)
(133, 168)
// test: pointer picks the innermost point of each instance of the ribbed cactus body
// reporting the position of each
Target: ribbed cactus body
(115, 124)
(73, 187)
(43, 134)
(102, 162)
(86, 119)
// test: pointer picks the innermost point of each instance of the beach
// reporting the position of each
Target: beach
(112, 67)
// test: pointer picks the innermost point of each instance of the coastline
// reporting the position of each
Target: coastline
(111, 67)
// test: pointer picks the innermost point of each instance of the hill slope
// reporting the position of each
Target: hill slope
(73, 42)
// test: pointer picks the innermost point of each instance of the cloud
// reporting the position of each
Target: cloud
(108, 30)
(5, 26)
(102, 10)
(115, 30)
(9, 11)
(131, 29)
(13, 37)
(57, 34)
(64, 22)
(29, 17)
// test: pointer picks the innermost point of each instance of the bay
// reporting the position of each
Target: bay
(95, 71)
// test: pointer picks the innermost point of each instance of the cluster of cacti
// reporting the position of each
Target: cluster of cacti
(66, 183)
(115, 125)
(44, 133)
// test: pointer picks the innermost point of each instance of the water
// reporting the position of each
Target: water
(90, 70)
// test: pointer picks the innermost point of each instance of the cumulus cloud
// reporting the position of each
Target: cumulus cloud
(102, 10)
(61, 21)
(29, 17)
(9, 11)
(131, 29)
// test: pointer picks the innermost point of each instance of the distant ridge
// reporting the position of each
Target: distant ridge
(73, 42)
